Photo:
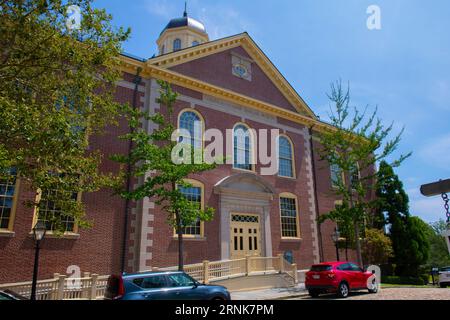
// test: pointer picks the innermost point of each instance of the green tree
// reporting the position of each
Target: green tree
(154, 153)
(417, 252)
(439, 256)
(377, 247)
(56, 90)
(409, 235)
(354, 147)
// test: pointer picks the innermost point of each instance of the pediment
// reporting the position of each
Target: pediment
(211, 62)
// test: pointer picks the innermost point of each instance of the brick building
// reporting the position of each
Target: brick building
(226, 84)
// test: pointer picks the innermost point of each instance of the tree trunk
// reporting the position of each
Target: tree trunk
(180, 242)
(358, 244)
(346, 248)
(355, 222)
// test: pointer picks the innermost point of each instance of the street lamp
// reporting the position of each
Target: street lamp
(39, 231)
(336, 236)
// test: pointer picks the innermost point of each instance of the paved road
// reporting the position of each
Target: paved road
(395, 294)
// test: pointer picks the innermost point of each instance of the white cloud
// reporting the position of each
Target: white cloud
(429, 209)
(437, 153)
(220, 20)
(163, 8)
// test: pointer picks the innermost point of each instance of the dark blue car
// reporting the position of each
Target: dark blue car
(162, 286)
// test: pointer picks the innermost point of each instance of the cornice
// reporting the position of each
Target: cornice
(234, 97)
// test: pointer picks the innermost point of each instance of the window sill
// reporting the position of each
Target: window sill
(289, 178)
(187, 238)
(244, 170)
(291, 239)
(7, 234)
(66, 236)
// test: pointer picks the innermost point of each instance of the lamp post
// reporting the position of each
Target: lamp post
(39, 231)
(336, 236)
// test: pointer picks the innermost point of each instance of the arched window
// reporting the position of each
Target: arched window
(195, 43)
(355, 176)
(242, 147)
(337, 177)
(176, 45)
(191, 122)
(285, 157)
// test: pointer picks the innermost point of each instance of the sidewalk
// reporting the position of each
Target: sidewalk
(270, 294)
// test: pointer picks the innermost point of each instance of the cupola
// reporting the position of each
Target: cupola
(181, 33)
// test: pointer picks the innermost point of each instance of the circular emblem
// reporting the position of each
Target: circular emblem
(240, 70)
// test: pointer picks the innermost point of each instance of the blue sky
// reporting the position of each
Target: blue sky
(404, 68)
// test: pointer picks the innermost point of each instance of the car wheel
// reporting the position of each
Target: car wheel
(343, 290)
(313, 293)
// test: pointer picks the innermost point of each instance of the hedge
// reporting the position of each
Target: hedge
(420, 281)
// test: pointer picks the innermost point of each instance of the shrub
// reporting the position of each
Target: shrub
(420, 281)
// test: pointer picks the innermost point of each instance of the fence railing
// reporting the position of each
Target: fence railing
(93, 286)
(90, 287)
(207, 271)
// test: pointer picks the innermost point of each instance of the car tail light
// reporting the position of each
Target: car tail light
(121, 290)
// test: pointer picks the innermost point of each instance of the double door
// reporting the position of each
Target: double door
(245, 236)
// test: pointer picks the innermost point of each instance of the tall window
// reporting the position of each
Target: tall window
(336, 175)
(193, 194)
(7, 191)
(355, 177)
(289, 216)
(52, 215)
(242, 148)
(163, 49)
(285, 160)
(195, 43)
(176, 45)
(192, 123)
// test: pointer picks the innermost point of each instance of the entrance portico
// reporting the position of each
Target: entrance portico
(244, 208)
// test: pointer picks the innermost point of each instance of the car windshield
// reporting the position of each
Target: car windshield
(320, 268)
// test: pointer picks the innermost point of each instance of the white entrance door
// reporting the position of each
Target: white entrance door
(245, 236)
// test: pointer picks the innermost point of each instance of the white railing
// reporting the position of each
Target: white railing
(250, 265)
(92, 287)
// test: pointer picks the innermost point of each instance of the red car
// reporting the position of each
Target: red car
(339, 278)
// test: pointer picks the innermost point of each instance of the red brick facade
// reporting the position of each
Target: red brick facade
(150, 242)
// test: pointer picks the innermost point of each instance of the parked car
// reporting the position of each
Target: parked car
(10, 295)
(162, 286)
(339, 278)
(444, 277)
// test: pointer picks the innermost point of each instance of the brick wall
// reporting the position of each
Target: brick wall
(98, 249)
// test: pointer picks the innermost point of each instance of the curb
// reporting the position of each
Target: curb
(289, 297)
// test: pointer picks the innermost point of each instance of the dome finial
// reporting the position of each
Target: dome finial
(185, 9)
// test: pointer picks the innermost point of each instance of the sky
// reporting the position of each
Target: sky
(403, 68)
